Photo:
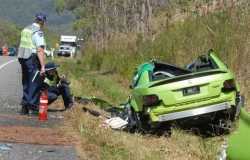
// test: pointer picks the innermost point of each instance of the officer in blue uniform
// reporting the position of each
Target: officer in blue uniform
(57, 85)
(32, 60)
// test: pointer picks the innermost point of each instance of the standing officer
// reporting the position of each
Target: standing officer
(32, 60)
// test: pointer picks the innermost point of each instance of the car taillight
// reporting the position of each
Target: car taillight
(229, 85)
(150, 100)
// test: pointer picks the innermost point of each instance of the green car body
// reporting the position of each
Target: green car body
(164, 92)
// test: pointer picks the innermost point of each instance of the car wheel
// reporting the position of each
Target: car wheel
(240, 104)
(223, 122)
(235, 110)
(135, 123)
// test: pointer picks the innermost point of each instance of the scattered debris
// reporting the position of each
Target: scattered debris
(91, 111)
(116, 123)
(82, 100)
(115, 119)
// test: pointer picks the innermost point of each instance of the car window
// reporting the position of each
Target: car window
(202, 63)
(164, 70)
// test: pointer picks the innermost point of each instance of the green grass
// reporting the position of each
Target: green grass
(98, 84)
(100, 143)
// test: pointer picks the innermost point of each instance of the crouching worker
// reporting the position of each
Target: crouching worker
(57, 86)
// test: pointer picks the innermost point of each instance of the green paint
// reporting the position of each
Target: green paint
(238, 145)
(170, 90)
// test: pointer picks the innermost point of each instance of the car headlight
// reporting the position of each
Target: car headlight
(223, 152)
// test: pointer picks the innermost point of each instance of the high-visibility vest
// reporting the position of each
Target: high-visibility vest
(27, 47)
(52, 82)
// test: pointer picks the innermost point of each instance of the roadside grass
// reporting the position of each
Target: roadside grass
(100, 143)
(100, 84)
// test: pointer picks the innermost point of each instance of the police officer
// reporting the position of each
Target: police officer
(32, 60)
(57, 86)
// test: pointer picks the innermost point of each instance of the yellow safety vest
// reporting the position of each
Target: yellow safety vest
(27, 48)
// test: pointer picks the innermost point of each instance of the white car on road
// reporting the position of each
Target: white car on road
(67, 50)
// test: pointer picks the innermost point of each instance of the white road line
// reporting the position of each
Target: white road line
(5, 64)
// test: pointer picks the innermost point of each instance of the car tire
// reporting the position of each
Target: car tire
(235, 111)
(240, 104)
(139, 123)
(225, 122)
(135, 121)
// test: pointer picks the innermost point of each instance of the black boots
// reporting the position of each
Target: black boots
(24, 110)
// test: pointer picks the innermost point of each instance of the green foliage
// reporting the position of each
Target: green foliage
(188, 39)
(9, 33)
(85, 25)
(100, 18)
(60, 6)
(22, 13)
(51, 38)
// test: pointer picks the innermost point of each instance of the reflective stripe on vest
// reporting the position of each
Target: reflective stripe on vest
(27, 48)
(51, 82)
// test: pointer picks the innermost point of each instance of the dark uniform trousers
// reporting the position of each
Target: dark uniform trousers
(31, 89)
(62, 89)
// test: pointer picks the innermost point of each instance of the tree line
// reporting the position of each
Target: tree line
(101, 20)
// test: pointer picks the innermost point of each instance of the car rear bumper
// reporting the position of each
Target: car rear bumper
(194, 112)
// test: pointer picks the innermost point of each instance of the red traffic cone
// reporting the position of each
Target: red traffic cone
(43, 107)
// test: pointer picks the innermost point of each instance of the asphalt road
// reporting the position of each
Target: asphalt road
(19, 145)
(10, 83)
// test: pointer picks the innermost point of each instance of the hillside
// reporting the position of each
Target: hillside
(9, 33)
(22, 13)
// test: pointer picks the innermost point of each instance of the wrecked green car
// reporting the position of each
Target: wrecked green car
(165, 93)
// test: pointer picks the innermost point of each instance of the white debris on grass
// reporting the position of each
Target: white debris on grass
(116, 123)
